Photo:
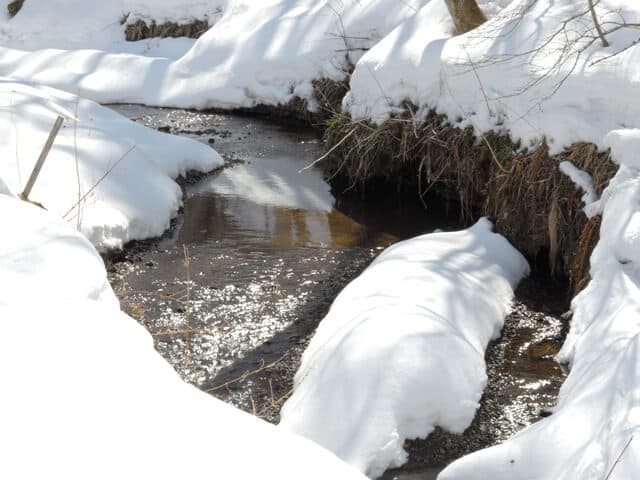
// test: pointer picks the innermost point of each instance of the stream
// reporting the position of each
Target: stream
(233, 292)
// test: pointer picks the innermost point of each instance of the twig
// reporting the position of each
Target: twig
(312, 164)
(95, 185)
(43, 156)
(77, 164)
(594, 17)
(247, 374)
(186, 308)
(615, 464)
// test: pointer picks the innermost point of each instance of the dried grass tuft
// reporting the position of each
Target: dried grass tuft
(140, 30)
(327, 97)
(533, 204)
(426, 155)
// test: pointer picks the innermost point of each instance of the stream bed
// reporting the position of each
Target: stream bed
(233, 292)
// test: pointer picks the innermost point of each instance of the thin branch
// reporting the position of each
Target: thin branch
(615, 464)
(95, 185)
(594, 17)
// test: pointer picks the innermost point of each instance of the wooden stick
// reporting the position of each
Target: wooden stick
(43, 156)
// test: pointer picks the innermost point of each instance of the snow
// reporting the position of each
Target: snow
(597, 413)
(583, 181)
(85, 394)
(422, 303)
(109, 177)
(511, 74)
(257, 53)
(78, 24)
(4, 190)
(379, 369)
(39, 248)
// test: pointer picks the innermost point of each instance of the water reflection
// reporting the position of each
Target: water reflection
(233, 220)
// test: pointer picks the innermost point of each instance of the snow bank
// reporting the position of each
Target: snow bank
(597, 414)
(84, 394)
(512, 74)
(263, 52)
(107, 176)
(78, 24)
(583, 181)
(402, 348)
(42, 257)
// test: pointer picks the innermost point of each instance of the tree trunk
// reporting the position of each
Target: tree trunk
(466, 15)
(14, 7)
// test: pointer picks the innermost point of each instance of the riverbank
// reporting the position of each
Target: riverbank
(533, 203)
(253, 296)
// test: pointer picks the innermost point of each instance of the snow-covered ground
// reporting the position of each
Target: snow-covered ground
(524, 72)
(78, 24)
(109, 177)
(263, 52)
(113, 181)
(402, 349)
(85, 395)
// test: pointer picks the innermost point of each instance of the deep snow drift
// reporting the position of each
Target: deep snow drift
(109, 177)
(503, 76)
(78, 24)
(402, 349)
(524, 72)
(263, 52)
(84, 394)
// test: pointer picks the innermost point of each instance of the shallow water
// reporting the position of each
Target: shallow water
(234, 291)
(268, 248)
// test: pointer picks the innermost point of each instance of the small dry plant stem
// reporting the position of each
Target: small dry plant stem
(615, 464)
(77, 163)
(187, 335)
(43, 156)
(95, 185)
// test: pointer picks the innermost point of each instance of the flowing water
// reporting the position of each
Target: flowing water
(233, 292)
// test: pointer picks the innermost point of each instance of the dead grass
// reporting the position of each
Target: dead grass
(140, 30)
(533, 204)
(579, 274)
(327, 99)
(539, 208)
(431, 154)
